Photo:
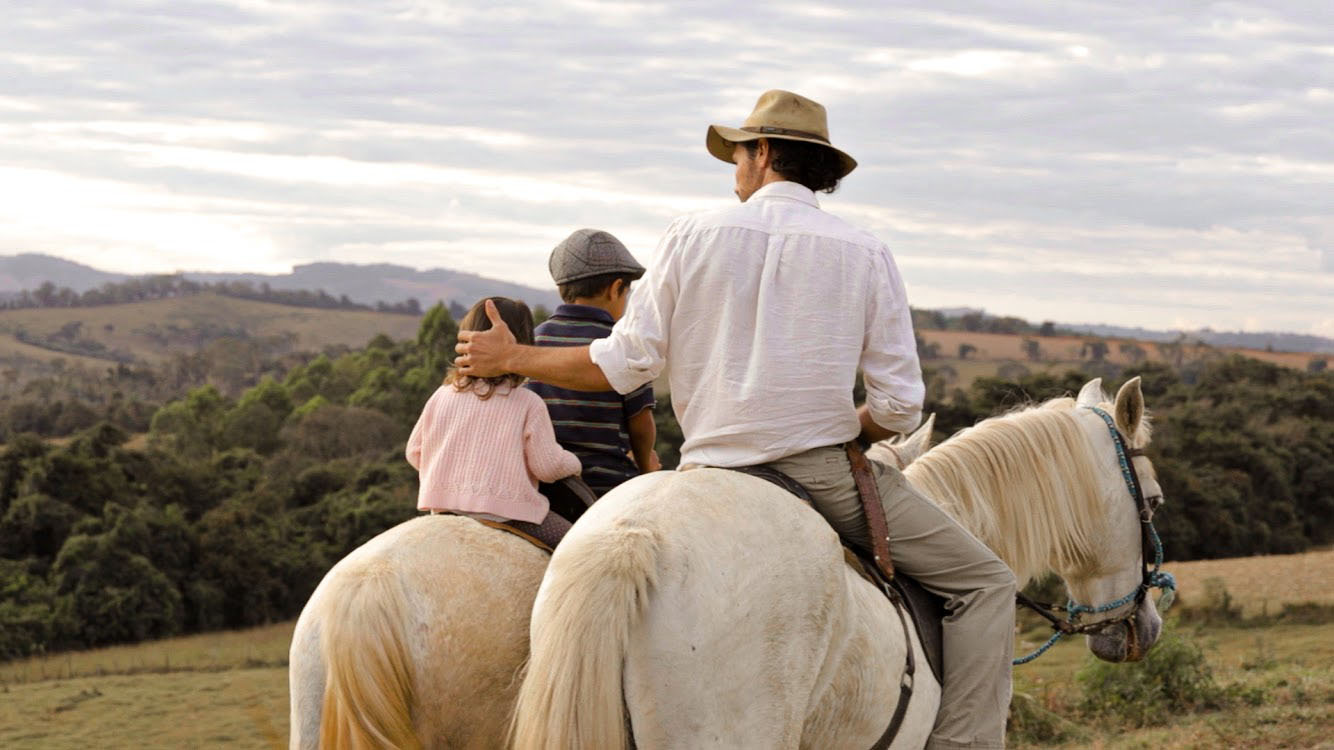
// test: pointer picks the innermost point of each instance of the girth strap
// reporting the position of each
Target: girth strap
(905, 684)
(875, 511)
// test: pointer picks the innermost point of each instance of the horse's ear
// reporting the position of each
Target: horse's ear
(1129, 407)
(917, 443)
(1091, 394)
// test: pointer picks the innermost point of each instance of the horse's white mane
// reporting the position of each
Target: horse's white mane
(1026, 484)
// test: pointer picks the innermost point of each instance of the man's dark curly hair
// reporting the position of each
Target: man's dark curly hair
(810, 164)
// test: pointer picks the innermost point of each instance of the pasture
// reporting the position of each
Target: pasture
(999, 348)
(230, 689)
(157, 330)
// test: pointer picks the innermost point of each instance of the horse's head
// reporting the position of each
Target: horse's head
(1112, 589)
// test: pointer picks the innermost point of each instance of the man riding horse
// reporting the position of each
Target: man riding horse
(766, 311)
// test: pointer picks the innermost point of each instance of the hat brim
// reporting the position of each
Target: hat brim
(721, 142)
(635, 274)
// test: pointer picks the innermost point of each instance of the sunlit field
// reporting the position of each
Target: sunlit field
(230, 689)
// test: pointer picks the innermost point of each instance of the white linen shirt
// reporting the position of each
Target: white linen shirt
(763, 313)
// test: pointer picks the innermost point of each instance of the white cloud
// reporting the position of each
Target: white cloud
(1170, 162)
(982, 62)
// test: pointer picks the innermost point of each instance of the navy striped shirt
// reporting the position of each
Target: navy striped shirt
(592, 426)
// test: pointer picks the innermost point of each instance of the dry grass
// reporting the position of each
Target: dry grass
(1260, 585)
(207, 691)
(239, 708)
(215, 690)
(206, 652)
(247, 708)
(1292, 666)
(997, 348)
(314, 328)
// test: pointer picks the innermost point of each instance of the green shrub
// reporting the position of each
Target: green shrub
(1217, 607)
(1032, 723)
(1173, 678)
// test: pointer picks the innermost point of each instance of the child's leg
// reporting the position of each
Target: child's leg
(549, 532)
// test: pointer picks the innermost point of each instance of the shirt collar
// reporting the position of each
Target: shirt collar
(583, 312)
(788, 190)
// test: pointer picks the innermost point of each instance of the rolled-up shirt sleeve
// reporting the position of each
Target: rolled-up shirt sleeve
(636, 351)
(889, 364)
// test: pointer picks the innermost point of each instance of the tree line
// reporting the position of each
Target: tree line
(166, 286)
(221, 510)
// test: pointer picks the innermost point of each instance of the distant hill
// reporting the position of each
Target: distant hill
(1277, 341)
(960, 357)
(31, 270)
(367, 284)
(154, 332)
(385, 282)
(389, 283)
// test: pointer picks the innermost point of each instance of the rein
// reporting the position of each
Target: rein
(1151, 578)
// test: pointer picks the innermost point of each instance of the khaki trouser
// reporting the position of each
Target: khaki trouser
(928, 545)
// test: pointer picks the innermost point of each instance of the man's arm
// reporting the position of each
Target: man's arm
(872, 432)
(643, 434)
(485, 354)
(889, 364)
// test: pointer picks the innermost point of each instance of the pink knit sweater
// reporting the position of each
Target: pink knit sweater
(487, 455)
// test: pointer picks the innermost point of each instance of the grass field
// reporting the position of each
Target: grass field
(1069, 349)
(125, 327)
(1260, 585)
(994, 352)
(229, 689)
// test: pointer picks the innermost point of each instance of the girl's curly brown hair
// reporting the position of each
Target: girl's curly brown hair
(520, 321)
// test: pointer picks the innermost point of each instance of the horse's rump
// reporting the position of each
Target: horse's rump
(674, 575)
(446, 601)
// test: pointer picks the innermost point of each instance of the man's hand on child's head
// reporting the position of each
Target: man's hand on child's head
(482, 354)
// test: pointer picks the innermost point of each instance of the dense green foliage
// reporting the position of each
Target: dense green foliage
(232, 508)
(228, 517)
(1173, 678)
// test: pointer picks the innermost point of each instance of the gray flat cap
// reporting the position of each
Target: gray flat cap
(591, 252)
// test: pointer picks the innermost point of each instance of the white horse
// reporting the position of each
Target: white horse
(709, 609)
(416, 638)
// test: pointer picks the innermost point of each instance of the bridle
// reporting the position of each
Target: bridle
(1151, 578)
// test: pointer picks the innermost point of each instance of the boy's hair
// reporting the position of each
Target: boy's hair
(592, 286)
(520, 321)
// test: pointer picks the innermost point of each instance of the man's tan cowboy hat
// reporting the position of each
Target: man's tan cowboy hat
(778, 114)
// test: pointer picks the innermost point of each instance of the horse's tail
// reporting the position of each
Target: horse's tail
(593, 595)
(368, 674)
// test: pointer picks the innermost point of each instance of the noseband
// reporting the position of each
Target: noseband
(1151, 578)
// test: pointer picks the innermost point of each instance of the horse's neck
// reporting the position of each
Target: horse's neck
(1028, 502)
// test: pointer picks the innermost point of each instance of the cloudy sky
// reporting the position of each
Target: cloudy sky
(1159, 163)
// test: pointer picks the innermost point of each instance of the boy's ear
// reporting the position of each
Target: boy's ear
(619, 291)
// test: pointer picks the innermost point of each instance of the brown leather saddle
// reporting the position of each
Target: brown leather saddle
(569, 498)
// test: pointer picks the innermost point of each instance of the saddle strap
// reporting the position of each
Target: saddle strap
(905, 685)
(875, 512)
(500, 526)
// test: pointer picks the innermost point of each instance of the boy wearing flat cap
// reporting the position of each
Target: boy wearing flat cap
(593, 271)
